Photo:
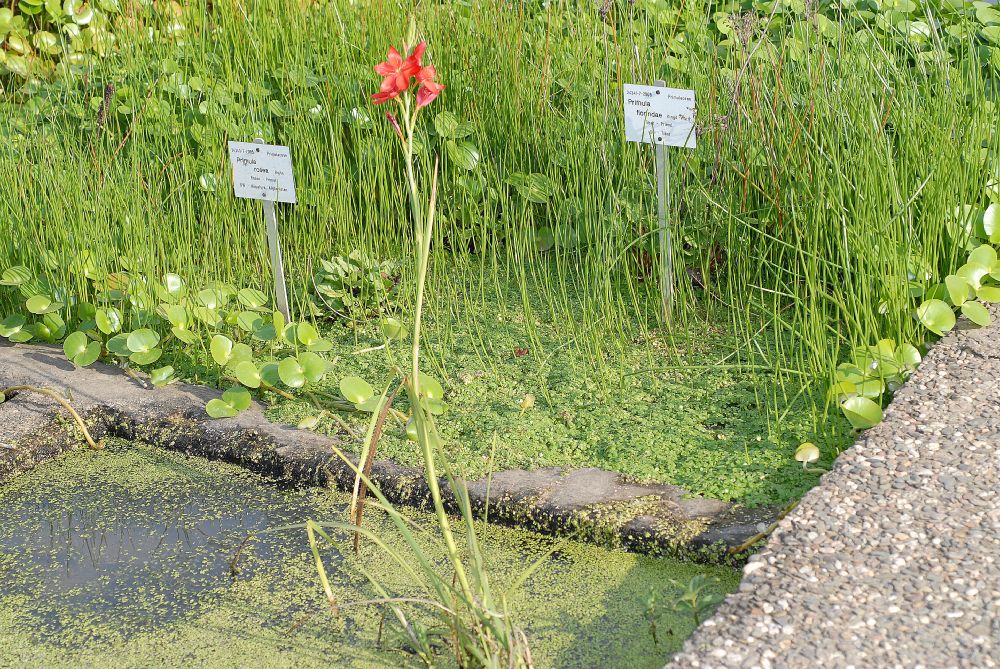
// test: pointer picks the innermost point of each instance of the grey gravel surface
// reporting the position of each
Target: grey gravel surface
(893, 560)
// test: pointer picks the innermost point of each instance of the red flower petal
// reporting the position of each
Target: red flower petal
(428, 92)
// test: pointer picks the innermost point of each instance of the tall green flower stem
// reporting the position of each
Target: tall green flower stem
(427, 436)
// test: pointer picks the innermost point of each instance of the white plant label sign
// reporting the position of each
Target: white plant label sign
(659, 115)
(262, 172)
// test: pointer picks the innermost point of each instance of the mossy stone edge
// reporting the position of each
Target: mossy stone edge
(590, 504)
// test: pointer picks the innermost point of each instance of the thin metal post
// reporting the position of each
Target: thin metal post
(662, 156)
(274, 246)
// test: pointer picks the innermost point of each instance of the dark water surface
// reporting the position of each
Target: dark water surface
(125, 558)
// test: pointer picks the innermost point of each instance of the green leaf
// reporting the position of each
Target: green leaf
(269, 373)
(984, 255)
(89, 355)
(42, 304)
(958, 289)
(109, 321)
(314, 367)
(176, 315)
(162, 376)
(12, 325)
(119, 345)
(806, 453)
(430, 388)
(240, 353)
(936, 316)
(146, 357)
(143, 341)
(463, 154)
(252, 299)
(449, 126)
(237, 397)
(974, 273)
(908, 356)
(534, 187)
(306, 334)
(219, 409)
(355, 390)
(862, 412)
(291, 373)
(15, 276)
(221, 348)
(75, 344)
(989, 293)
(991, 223)
(246, 373)
(392, 328)
(977, 313)
(185, 336)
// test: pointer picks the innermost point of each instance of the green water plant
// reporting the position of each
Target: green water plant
(475, 619)
(353, 286)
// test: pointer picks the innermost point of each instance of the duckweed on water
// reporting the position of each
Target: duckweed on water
(122, 558)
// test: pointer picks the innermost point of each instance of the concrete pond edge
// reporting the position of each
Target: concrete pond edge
(589, 504)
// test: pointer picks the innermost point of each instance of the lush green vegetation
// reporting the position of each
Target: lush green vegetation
(840, 210)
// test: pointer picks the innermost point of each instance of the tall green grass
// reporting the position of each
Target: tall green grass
(827, 163)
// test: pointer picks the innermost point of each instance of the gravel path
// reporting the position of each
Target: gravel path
(894, 559)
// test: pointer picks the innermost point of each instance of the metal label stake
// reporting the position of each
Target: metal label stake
(662, 158)
(274, 246)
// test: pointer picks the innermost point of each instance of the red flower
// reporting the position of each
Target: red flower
(396, 73)
(429, 89)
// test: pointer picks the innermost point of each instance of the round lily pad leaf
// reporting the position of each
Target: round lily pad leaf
(411, 429)
(162, 376)
(909, 356)
(252, 299)
(871, 388)
(989, 293)
(75, 344)
(936, 316)
(356, 390)
(974, 273)
(240, 353)
(392, 328)
(176, 315)
(246, 373)
(42, 304)
(238, 397)
(291, 373)
(430, 387)
(991, 223)
(862, 412)
(219, 409)
(308, 423)
(185, 336)
(984, 255)
(173, 284)
(109, 321)
(320, 346)
(221, 348)
(306, 334)
(143, 340)
(12, 324)
(119, 345)
(958, 289)
(977, 313)
(249, 321)
(807, 452)
(842, 390)
(146, 357)
(314, 367)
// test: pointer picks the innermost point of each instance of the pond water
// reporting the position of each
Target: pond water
(125, 558)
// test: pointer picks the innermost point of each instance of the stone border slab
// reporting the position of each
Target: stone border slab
(591, 504)
(893, 559)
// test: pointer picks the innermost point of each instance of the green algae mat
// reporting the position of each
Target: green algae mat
(125, 558)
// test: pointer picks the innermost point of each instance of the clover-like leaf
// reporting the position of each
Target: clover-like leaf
(936, 316)
(146, 357)
(974, 273)
(306, 334)
(118, 345)
(862, 412)
(392, 328)
(12, 325)
(984, 255)
(430, 387)
(81, 350)
(989, 293)
(252, 299)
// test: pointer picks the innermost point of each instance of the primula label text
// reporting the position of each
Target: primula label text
(262, 172)
(657, 115)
